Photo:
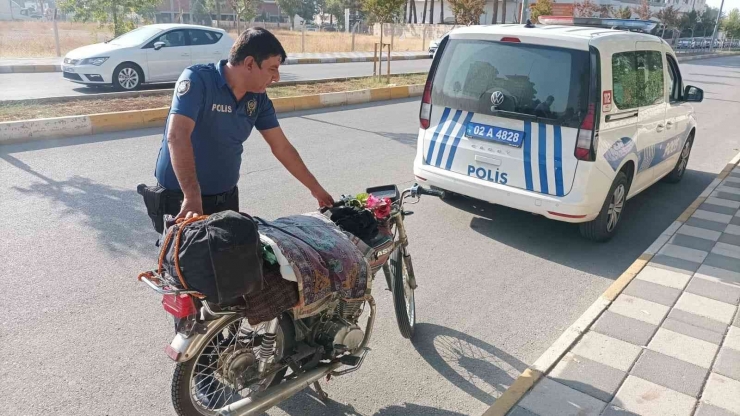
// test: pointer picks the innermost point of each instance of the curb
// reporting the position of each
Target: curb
(168, 91)
(529, 378)
(25, 69)
(52, 128)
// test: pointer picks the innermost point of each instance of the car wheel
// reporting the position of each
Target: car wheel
(683, 159)
(605, 226)
(127, 77)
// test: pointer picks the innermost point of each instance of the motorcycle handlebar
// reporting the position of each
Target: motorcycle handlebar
(431, 192)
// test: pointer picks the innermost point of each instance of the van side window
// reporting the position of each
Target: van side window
(637, 79)
(675, 89)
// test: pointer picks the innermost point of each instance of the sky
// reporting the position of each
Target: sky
(729, 4)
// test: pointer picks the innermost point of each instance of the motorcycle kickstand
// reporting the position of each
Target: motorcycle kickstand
(323, 396)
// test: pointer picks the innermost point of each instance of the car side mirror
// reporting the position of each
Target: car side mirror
(693, 94)
(158, 45)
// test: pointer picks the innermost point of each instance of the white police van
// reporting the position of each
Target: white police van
(566, 120)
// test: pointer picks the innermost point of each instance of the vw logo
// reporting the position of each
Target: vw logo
(497, 98)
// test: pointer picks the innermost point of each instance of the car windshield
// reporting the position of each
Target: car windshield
(136, 37)
(526, 80)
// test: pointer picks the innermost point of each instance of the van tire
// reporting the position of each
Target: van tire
(601, 229)
(683, 160)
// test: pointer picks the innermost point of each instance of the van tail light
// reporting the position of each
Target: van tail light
(179, 306)
(588, 133)
(586, 136)
(510, 39)
(426, 105)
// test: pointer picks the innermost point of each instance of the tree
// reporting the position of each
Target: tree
(670, 18)
(623, 13)
(244, 10)
(291, 8)
(424, 12)
(383, 11)
(105, 11)
(431, 12)
(494, 18)
(441, 11)
(731, 24)
(503, 12)
(199, 13)
(541, 8)
(467, 12)
(586, 8)
(643, 11)
(688, 23)
(335, 8)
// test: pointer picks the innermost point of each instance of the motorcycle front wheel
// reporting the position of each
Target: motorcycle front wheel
(403, 294)
(211, 379)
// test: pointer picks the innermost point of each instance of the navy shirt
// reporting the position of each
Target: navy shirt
(221, 126)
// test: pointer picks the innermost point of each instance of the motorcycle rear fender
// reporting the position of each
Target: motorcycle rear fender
(184, 347)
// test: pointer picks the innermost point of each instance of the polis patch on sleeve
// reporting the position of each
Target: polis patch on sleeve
(183, 87)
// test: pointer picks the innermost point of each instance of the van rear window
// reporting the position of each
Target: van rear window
(535, 81)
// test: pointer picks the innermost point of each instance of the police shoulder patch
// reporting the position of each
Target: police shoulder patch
(183, 87)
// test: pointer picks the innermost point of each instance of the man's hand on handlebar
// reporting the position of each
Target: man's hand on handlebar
(323, 197)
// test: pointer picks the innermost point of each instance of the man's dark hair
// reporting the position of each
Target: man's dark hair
(258, 43)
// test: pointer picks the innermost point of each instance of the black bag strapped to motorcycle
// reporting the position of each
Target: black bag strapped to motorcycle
(218, 255)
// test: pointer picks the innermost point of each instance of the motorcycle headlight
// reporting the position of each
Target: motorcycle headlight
(94, 61)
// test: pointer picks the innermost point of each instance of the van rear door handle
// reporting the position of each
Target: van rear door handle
(660, 128)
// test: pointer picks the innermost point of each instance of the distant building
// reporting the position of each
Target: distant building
(179, 11)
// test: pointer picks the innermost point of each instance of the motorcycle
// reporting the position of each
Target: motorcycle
(227, 367)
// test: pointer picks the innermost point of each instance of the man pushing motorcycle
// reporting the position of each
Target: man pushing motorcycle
(214, 109)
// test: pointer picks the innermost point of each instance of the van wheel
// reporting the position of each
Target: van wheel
(677, 173)
(605, 225)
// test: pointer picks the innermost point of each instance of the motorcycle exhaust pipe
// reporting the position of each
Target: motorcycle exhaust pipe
(253, 405)
(277, 394)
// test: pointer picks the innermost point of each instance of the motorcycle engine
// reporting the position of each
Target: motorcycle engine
(339, 334)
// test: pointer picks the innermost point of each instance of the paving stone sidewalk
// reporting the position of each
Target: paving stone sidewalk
(670, 343)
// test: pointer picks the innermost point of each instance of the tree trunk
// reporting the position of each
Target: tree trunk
(424, 12)
(441, 11)
(431, 12)
(218, 13)
(494, 20)
(503, 12)
(416, 15)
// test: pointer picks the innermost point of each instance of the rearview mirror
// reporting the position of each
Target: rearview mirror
(158, 45)
(693, 94)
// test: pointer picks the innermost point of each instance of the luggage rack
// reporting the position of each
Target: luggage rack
(159, 284)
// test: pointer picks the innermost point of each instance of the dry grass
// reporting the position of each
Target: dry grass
(36, 39)
(33, 110)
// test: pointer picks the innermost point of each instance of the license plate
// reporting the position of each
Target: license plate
(495, 134)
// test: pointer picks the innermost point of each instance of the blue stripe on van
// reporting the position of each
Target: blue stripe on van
(459, 135)
(558, 162)
(527, 155)
(442, 120)
(449, 131)
(542, 156)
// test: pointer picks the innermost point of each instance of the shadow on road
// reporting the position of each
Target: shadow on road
(474, 366)
(117, 216)
(645, 217)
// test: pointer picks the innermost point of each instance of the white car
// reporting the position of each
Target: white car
(154, 53)
(566, 122)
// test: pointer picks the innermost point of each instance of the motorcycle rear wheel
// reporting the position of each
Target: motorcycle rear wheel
(197, 393)
(403, 294)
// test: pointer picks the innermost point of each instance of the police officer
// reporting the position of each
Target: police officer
(214, 109)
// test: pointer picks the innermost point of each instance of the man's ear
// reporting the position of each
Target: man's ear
(249, 63)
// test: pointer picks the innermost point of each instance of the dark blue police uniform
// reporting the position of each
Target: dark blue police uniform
(222, 124)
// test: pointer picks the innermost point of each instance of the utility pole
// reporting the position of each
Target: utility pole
(716, 26)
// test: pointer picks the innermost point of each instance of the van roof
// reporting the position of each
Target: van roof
(573, 37)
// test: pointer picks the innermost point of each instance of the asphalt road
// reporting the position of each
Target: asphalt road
(80, 336)
(43, 85)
